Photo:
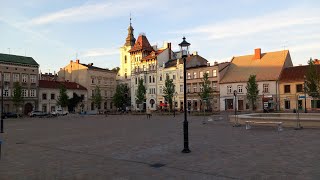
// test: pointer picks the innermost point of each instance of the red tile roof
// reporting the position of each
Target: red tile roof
(142, 43)
(57, 84)
(295, 74)
(153, 54)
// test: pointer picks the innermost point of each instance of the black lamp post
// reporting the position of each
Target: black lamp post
(184, 47)
(235, 109)
(2, 116)
(305, 94)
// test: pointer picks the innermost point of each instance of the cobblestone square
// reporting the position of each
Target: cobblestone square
(124, 147)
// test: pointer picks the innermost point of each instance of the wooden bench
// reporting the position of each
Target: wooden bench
(249, 123)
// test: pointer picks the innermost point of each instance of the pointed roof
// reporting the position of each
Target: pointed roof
(267, 68)
(153, 54)
(141, 44)
(130, 40)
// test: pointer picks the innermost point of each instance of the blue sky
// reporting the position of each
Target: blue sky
(55, 32)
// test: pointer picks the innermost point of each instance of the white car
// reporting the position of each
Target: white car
(59, 112)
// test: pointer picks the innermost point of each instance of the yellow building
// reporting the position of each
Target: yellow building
(91, 76)
(292, 92)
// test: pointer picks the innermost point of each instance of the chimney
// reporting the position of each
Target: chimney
(169, 47)
(195, 53)
(71, 61)
(257, 53)
(77, 61)
(215, 63)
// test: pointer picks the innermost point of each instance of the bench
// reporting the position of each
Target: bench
(249, 123)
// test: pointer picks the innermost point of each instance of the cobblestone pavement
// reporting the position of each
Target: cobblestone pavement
(121, 147)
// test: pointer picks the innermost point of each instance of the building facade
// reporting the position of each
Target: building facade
(90, 77)
(23, 70)
(49, 92)
(267, 68)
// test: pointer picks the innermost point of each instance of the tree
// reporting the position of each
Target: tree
(74, 101)
(17, 95)
(96, 97)
(312, 80)
(141, 92)
(63, 97)
(252, 90)
(121, 97)
(205, 95)
(116, 69)
(168, 91)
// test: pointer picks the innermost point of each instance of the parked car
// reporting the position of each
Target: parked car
(37, 114)
(59, 112)
(9, 115)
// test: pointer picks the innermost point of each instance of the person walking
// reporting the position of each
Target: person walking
(148, 113)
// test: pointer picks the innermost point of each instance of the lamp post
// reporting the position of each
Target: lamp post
(305, 94)
(235, 109)
(174, 104)
(184, 47)
(2, 79)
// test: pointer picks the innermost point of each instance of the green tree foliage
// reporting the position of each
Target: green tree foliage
(312, 80)
(252, 90)
(141, 92)
(74, 101)
(17, 95)
(121, 97)
(206, 93)
(96, 97)
(63, 97)
(168, 91)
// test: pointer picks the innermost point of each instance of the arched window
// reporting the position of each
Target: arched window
(125, 59)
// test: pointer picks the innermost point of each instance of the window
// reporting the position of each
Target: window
(24, 93)
(194, 75)
(315, 103)
(153, 79)
(160, 89)
(125, 75)
(15, 77)
(173, 76)
(299, 88)
(214, 86)
(201, 75)
(229, 89)
(188, 88)
(287, 104)
(194, 87)
(240, 89)
(189, 76)
(181, 88)
(53, 96)
(6, 93)
(167, 76)
(32, 93)
(44, 96)
(24, 78)
(160, 78)
(149, 79)
(265, 88)
(201, 87)
(181, 74)
(214, 73)
(6, 77)
(286, 88)
(33, 78)
(92, 92)
(136, 80)
(92, 80)
(208, 73)
(125, 59)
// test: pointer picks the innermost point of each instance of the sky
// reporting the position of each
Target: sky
(55, 32)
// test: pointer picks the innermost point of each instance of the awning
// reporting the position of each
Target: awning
(163, 104)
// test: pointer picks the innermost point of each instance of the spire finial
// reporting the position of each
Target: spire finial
(130, 18)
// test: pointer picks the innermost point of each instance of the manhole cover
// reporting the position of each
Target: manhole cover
(157, 165)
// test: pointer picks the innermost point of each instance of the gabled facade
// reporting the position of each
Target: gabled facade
(267, 67)
(24, 70)
(90, 76)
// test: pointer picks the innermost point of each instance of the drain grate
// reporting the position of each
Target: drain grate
(157, 165)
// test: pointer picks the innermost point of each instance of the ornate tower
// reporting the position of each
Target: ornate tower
(125, 59)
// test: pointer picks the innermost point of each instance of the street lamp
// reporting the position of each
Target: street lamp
(305, 94)
(2, 79)
(174, 104)
(235, 109)
(184, 47)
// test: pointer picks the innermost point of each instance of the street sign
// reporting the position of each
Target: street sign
(302, 97)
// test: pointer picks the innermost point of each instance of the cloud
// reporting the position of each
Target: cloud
(91, 11)
(99, 52)
(248, 26)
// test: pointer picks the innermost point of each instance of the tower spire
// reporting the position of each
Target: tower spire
(130, 40)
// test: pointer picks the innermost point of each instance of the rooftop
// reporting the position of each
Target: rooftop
(57, 84)
(23, 60)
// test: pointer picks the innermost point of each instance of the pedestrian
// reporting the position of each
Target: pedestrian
(148, 113)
